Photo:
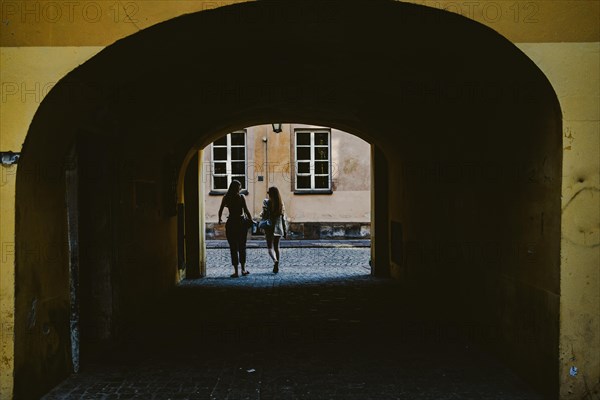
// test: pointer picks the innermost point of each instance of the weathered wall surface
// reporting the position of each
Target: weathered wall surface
(126, 238)
(42, 23)
(35, 53)
(349, 202)
(7, 279)
(480, 215)
(25, 82)
(573, 69)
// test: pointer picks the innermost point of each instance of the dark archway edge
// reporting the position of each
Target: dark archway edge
(425, 86)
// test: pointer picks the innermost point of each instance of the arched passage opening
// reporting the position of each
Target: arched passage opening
(337, 207)
(471, 129)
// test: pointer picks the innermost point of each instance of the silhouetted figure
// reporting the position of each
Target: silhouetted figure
(235, 228)
(274, 211)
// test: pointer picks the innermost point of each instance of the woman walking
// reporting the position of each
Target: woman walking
(235, 228)
(274, 211)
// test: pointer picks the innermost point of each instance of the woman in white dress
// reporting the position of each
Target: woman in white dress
(274, 211)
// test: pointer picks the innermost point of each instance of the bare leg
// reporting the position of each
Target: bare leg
(276, 251)
(276, 247)
(272, 253)
(232, 239)
(242, 249)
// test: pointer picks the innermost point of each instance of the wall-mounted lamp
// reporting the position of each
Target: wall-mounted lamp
(9, 158)
(277, 128)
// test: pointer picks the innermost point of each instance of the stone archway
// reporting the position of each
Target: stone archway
(191, 199)
(470, 126)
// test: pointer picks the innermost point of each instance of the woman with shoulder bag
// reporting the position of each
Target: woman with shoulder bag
(275, 228)
(236, 228)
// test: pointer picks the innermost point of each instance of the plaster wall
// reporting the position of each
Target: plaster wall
(573, 69)
(25, 82)
(102, 23)
(570, 67)
(139, 255)
(349, 202)
(479, 213)
(7, 280)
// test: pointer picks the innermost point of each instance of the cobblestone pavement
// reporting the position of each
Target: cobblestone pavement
(320, 329)
(298, 266)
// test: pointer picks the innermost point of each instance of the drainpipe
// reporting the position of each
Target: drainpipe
(265, 141)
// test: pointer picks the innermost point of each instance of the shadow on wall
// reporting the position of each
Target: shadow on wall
(446, 117)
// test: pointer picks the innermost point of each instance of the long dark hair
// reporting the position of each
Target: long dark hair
(233, 191)
(275, 205)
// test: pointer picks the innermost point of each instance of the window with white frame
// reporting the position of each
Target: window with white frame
(229, 161)
(313, 161)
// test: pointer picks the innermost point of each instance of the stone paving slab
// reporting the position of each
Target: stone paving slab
(320, 329)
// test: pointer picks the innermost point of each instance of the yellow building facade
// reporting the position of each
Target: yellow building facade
(333, 201)
(42, 42)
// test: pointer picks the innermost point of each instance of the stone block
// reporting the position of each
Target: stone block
(325, 232)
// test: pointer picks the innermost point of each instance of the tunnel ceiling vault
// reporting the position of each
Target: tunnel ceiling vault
(420, 84)
(358, 64)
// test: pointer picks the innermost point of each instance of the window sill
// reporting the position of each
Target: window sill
(224, 192)
(328, 191)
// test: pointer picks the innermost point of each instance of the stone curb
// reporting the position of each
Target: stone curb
(258, 243)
